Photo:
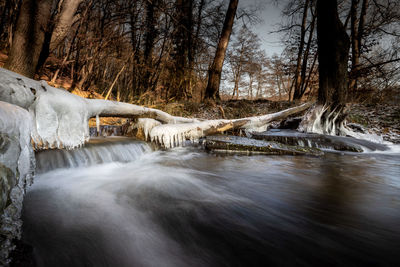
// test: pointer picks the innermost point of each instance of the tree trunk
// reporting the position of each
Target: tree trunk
(179, 87)
(357, 29)
(297, 76)
(29, 36)
(215, 70)
(150, 36)
(355, 52)
(333, 52)
(303, 84)
(63, 22)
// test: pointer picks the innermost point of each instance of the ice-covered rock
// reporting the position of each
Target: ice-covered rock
(16, 172)
(59, 118)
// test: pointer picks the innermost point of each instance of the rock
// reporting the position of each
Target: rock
(290, 123)
(340, 143)
(16, 169)
(248, 145)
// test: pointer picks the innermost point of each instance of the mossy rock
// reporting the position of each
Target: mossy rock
(312, 140)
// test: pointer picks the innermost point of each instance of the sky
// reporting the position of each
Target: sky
(271, 16)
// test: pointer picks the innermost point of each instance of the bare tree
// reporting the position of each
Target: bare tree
(215, 70)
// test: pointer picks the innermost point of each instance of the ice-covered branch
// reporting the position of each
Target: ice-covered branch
(60, 119)
(174, 135)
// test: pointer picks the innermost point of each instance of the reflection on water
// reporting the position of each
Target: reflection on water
(189, 208)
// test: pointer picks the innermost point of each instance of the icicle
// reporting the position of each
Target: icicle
(98, 125)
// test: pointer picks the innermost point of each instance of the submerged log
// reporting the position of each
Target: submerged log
(249, 145)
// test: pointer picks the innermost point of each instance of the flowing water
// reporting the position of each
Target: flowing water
(117, 203)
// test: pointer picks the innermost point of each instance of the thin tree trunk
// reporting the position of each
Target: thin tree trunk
(303, 84)
(214, 73)
(114, 82)
(357, 30)
(355, 52)
(150, 36)
(297, 76)
(250, 87)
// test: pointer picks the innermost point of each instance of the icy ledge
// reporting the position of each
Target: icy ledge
(16, 172)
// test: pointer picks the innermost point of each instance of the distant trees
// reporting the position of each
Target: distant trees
(300, 39)
(373, 30)
(133, 50)
(245, 57)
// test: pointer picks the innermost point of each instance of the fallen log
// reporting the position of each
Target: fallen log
(60, 119)
(169, 135)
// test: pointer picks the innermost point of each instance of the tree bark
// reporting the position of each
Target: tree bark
(215, 70)
(64, 21)
(29, 36)
(179, 87)
(333, 52)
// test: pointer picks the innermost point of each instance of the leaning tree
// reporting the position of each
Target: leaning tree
(215, 70)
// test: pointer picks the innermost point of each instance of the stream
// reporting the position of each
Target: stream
(116, 202)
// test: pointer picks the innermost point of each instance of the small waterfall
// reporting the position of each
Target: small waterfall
(97, 151)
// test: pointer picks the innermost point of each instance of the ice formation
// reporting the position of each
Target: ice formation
(60, 119)
(146, 125)
(172, 135)
(313, 123)
(16, 169)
